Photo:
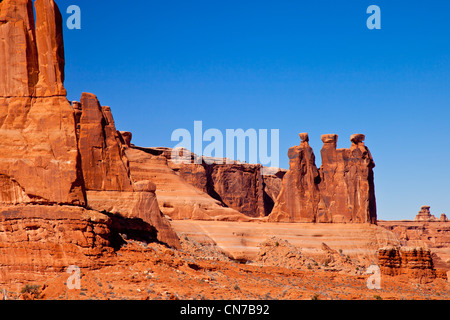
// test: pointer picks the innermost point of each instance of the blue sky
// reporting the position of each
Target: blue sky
(296, 66)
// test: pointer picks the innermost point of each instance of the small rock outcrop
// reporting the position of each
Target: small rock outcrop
(415, 262)
(342, 190)
(426, 216)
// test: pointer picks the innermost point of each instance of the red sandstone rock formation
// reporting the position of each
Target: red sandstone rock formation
(346, 182)
(39, 239)
(411, 261)
(342, 190)
(299, 196)
(425, 215)
(104, 164)
(50, 47)
(247, 188)
(106, 170)
(434, 235)
(53, 153)
(38, 162)
(176, 197)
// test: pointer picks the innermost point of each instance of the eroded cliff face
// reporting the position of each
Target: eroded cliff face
(342, 190)
(177, 197)
(222, 190)
(106, 170)
(54, 153)
(36, 240)
(414, 262)
(38, 162)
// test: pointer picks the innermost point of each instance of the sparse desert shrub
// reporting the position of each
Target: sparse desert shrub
(33, 290)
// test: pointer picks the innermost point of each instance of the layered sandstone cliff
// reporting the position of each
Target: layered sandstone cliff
(233, 191)
(53, 153)
(342, 190)
(177, 198)
(414, 262)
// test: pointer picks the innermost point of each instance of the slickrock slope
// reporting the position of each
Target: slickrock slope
(241, 240)
(38, 162)
(342, 190)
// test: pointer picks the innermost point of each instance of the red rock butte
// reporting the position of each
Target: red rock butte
(75, 191)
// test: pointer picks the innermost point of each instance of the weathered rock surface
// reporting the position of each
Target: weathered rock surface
(39, 148)
(176, 197)
(342, 190)
(415, 262)
(53, 153)
(237, 186)
(299, 196)
(32, 63)
(433, 235)
(247, 188)
(104, 164)
(19, 68)
(347, 192)
(50, 47)
(106, 171)
(40, 239)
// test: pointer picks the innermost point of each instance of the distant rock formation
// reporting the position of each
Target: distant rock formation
(250, 190)
(342, 190)
(425, 215)
(178, 189)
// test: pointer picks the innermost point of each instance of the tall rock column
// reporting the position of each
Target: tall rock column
(342, 190)
(18, 54)
(39, 154)
(103, 162)
(50, 45)
(299, 195)
(347, 192)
